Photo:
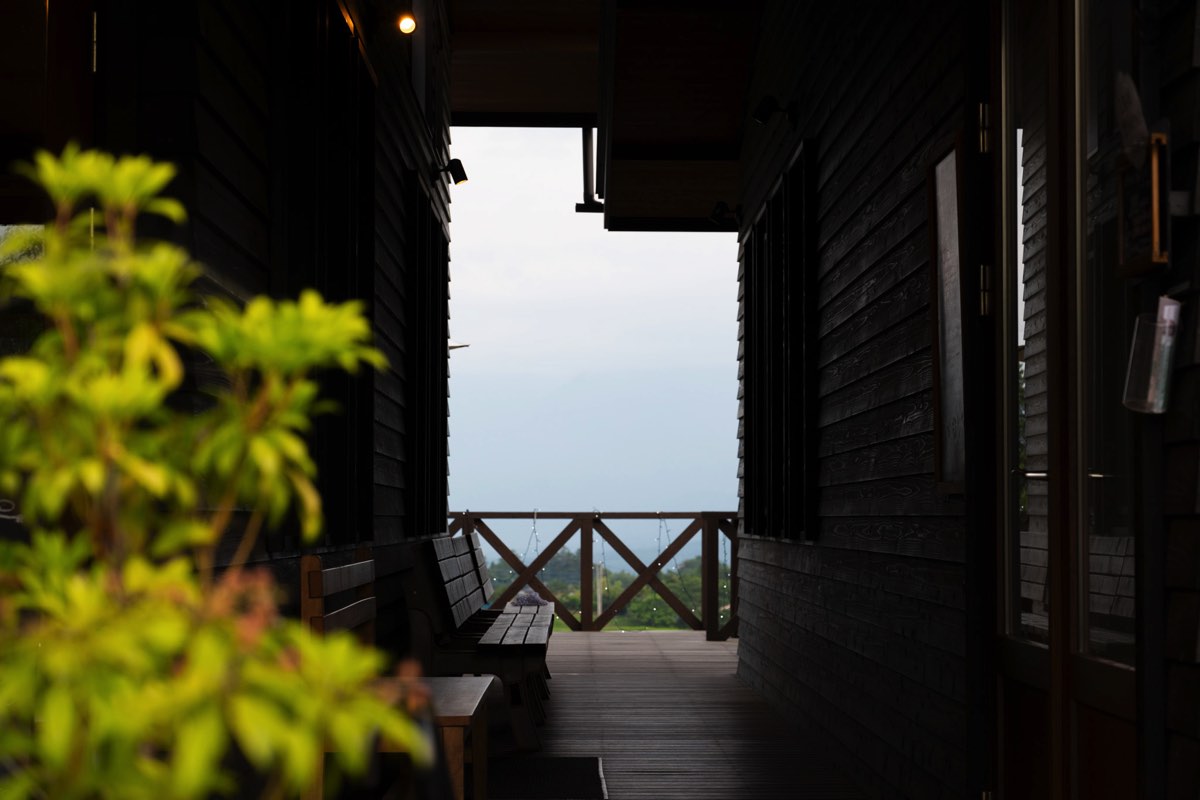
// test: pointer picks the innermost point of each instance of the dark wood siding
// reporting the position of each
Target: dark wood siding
(307, 159)
(862, 632)
(411, 286)
(231, 212)
(410, 300)
(1177, 470)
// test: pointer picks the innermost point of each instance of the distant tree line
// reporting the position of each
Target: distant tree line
(645, 610)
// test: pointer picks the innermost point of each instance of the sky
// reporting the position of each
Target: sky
(602, 366)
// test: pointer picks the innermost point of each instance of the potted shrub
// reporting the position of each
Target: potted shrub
(129, 666)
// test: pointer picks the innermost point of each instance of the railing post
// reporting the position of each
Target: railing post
(710, 576)
(586, 572)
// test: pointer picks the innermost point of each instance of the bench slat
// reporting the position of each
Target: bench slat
(538, 634)
(346, 618)
(515, 635)
(495, 634)
(324, 582)
(475, 600)
(466, 565)
(443, 547)
(456, 590)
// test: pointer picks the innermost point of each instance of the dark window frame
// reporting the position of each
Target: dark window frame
(779, 359)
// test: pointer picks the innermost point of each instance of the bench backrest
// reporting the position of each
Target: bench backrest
(462, 574)
(481, 565)
(355, 582)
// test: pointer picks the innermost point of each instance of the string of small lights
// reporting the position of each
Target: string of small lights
(663, 527)
(728, 575)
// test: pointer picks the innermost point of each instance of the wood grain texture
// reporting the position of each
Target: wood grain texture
(863, 632)
(672, 721)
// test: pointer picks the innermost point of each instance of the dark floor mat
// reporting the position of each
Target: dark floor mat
(546, 778)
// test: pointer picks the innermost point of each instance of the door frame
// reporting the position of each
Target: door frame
(1063, 669)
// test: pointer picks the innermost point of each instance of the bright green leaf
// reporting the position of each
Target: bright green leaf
(55, 726)
(197, 753)
(257, 725)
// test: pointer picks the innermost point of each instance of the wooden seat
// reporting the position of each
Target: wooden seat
(459, 711)
(466, 636)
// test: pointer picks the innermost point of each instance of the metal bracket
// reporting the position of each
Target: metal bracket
(985, 129)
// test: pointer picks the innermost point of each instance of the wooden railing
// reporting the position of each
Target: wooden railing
(710, 525)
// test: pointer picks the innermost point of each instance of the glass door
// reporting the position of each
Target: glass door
(1068, 535)
(1026, 578)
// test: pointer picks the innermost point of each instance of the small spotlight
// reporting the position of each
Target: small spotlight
(408, 23)
(724, 217)
(455, 169)
(769, 106)
(765, 109)
(720, 213)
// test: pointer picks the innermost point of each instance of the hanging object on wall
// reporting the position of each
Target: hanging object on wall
(1143, 210)
(949, 391)
(1131, 120)
(1148, 376)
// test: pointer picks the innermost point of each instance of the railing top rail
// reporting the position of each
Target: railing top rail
(592, 514)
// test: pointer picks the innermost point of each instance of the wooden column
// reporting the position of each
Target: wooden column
(710, 575)
(586, 571)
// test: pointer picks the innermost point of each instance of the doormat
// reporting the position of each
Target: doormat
(546, 778)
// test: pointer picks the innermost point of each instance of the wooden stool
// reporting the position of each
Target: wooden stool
(459, 709)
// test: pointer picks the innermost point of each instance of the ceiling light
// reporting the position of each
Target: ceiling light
(407, 23)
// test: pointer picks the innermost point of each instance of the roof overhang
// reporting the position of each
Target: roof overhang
(664, 81)
(525, 63)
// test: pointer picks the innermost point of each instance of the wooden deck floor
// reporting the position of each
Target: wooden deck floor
(670, 718)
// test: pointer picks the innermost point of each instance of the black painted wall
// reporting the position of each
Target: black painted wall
(857, 623)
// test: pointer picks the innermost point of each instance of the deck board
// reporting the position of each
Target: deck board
(669, 716)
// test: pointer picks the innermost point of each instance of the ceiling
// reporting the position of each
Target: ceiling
(664, 82)
(529, 63)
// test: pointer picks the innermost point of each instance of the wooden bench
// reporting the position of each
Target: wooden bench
(451, 597)
(468, 586)
(459, 707)
(520, 626)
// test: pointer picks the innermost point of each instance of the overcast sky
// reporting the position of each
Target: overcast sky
(602, 367)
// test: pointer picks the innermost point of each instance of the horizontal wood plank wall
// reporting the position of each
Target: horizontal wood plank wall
(861, 634)
(1180, 103)
(146, 95)
(410, 306)
(411, 287)
(307, 159)
(395, 230)
(231, 214)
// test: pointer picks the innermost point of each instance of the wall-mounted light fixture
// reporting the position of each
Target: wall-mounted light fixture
(454, 168)
(769, 107)
(725, 218)
(407, 22)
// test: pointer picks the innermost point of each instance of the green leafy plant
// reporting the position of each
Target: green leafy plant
(129, 667)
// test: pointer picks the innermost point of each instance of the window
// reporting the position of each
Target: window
(778, 361)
